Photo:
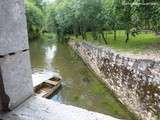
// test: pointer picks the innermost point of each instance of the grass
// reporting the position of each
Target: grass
(140, 43)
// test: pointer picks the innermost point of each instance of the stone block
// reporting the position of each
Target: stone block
(13, 27)
(16, 76)
(143, 64)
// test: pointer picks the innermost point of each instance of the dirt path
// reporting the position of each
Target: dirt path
(149, 54)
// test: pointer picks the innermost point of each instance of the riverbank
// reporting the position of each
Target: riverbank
(143, 43)
(136, 82)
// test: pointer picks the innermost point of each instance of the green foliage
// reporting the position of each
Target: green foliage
(77, 17)
(35, 20)
(74, 17)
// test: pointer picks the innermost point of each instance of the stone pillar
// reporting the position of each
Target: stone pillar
(15, 68)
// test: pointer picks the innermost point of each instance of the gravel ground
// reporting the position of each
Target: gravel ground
(151, 55)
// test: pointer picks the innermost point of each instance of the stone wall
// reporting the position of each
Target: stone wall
(15, 68)
(135, 82)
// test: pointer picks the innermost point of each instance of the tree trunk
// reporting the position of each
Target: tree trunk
(106, 35)
(81, 32)
(94, 35)
(82, 35)
(104, 38)
(85, 36)
(76, 35)
(58, 36)
(75, 30)
(127, 36)
(115, 35)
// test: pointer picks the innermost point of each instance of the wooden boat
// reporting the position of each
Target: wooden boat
(48, 87)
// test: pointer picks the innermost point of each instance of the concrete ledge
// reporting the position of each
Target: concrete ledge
(42, 109)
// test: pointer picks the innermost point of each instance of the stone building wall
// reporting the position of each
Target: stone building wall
(135, 82)
(15, 68)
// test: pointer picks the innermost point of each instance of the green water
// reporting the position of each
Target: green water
(80, 86)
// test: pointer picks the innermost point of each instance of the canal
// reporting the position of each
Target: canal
(80, 86)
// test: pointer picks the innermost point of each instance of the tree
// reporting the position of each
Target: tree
(35, 20)
(128, 17)
(113, 16)
(78, 17)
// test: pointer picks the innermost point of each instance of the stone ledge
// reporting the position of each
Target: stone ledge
(37, 108)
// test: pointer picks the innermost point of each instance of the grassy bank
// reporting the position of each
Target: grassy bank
(140, 43)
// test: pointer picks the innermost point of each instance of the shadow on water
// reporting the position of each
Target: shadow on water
(80, 86)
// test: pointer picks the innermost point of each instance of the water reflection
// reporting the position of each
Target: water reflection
(50, 53)
(42, 56)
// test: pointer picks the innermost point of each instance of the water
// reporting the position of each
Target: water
(80, 86)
